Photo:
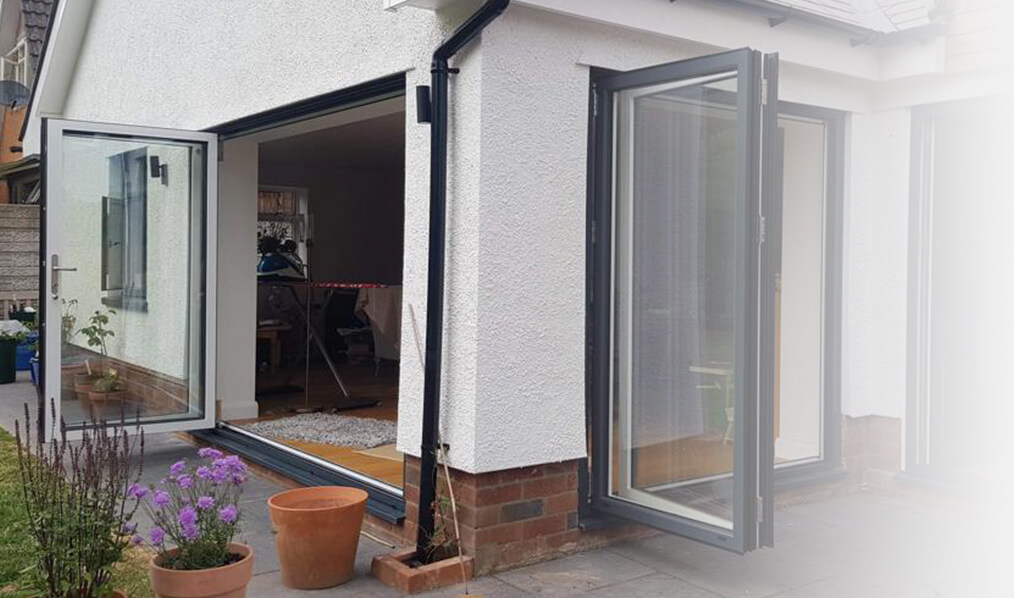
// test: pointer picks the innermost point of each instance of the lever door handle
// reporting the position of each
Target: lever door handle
(54, 276)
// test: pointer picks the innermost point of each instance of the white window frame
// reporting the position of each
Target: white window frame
(53, 159)
(19, 65)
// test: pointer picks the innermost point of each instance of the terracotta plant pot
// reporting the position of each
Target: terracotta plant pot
(100, 398)
(317, 534)
(94, 403)
(83, 383)
(222, 582)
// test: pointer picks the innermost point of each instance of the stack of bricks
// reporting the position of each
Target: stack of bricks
(514, 517)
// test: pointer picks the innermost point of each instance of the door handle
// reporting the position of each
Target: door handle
(54, 277)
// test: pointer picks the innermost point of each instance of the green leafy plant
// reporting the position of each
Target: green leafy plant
(442, 543)
(97, 331)
(109, 382)
(76, 499)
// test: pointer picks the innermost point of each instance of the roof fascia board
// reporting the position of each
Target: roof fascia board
(58, 61)
(725, 24)
(9, 21)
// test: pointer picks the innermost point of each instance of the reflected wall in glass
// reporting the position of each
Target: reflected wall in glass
(133, 216)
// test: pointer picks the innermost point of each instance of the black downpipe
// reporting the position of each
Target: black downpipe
(440, 71)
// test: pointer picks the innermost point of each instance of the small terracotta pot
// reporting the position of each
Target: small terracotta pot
(83, 383)
(317, 534)
(106, 397)
(222, 582)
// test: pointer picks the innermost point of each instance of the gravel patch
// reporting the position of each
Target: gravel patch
(329, 428)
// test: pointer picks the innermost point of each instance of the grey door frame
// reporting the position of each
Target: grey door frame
(830, 466)
(747, 481)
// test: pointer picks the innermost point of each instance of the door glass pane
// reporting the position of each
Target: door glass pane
(799, 294)
(678, 293)
(130, 226)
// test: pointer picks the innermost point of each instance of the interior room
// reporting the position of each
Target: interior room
(330, 239)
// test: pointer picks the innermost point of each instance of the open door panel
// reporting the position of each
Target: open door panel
(129, 275)
(681, 422)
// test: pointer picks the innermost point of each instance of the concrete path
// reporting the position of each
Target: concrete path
(866, 545)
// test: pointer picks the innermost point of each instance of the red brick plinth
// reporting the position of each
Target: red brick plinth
(394, 570)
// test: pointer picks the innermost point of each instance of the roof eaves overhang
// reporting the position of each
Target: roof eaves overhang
(58, 59)
(777, 14)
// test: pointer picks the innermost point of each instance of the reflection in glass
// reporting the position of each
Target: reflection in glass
(677, 298)
(131, 223)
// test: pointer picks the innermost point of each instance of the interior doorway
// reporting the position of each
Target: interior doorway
(330, 246)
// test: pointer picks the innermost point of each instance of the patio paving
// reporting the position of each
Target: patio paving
(868, 544)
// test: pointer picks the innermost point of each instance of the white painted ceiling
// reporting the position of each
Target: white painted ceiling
(377, 143)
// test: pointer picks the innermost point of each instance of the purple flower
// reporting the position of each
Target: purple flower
(137, 540)
(228, 514)
(204, 472)
(178, 467)
(187, 516)
(185, 481)
(220, 476)
(161, 499)
(231, 464)
(129, 528)
(190, 532)
(157, 536)
(209, 453)
(137, 491)
(205, 502)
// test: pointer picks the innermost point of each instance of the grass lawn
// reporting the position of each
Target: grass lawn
(17, 547)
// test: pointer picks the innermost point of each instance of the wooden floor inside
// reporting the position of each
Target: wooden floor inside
(281, 395)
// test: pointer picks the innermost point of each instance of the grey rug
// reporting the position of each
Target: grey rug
(329, 428)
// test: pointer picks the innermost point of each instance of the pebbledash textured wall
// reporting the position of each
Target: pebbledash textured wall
(220, 61)
(514, 366)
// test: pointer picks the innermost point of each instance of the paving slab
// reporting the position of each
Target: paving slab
(759, 573)
(575, 574)
(653, 586)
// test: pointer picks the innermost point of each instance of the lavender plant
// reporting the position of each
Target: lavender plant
(196, 509)
(75, 495)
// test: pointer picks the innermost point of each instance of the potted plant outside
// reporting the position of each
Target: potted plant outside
(107, 389)
(317, 534)
(78, 510)
(195, 510)
(96, 332)
(12, 333)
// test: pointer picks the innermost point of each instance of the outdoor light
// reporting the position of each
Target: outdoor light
(159, 170)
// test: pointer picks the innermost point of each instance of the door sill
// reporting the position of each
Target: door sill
(382, 504)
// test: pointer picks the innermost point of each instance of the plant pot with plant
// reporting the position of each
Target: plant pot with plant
(106, 390)
(12, 334)
(195, 510)
(78, 509)
(96, 332)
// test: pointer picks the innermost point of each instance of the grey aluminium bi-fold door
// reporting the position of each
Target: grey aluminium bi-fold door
(681, 366)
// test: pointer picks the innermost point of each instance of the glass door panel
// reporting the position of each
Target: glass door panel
(799, 293)
(128, 289)
(677, 434)
(676, 298)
